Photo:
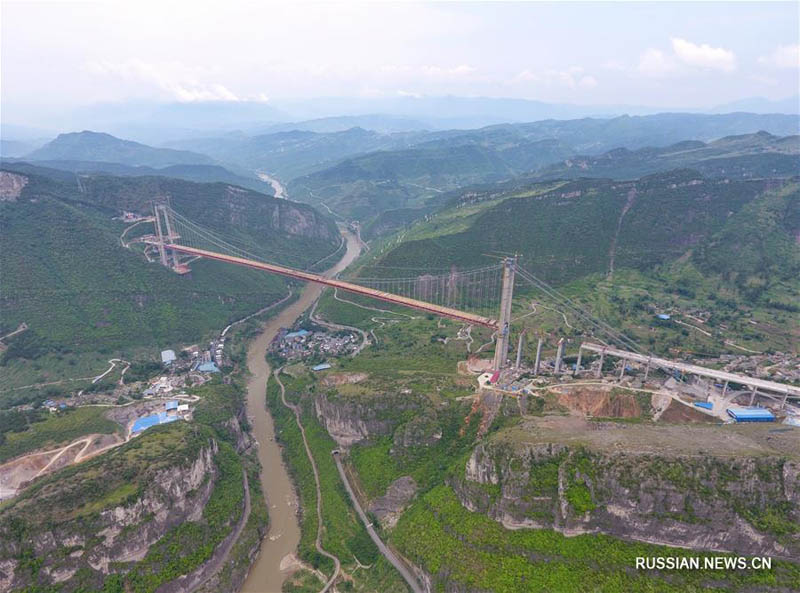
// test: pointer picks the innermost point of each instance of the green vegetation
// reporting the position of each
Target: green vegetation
(466, 549)
(428, 464)
(579, 496)
(189, 544)
(570, 231)
(390, 188)
(80, 291)
(77, 498)
(686, 264)
(48, 430)
(343, 533)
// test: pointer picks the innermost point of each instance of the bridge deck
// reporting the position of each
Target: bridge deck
(348, 286)
(693, 369)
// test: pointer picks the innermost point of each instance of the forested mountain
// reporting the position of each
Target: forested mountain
(749, 155)
(366, 185)
(94, 146)
(293, 153)
(67, 275)
(372, 184)
(567, 230)
(198, 173)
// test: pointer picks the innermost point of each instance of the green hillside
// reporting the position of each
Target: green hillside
(675, 241)
(569, 232)
(66, 275)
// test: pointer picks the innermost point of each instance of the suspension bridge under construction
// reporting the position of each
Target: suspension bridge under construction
(482, 296)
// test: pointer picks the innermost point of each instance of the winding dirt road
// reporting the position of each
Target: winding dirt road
(318, 541)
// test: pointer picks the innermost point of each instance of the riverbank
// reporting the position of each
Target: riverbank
(284, 530)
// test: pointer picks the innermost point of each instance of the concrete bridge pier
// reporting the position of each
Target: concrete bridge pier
(538, 357)
(578, 362)
(559, 356)
(600, 368)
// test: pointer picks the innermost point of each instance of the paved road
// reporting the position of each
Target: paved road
(387, 553)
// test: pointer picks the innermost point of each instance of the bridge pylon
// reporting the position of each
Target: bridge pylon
(504, 320)
(165, 235)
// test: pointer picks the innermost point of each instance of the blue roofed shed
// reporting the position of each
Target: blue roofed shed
(171, 405)
(751, 415)
(298, 334)
(208, 367)
(321, 367)
(152, 420)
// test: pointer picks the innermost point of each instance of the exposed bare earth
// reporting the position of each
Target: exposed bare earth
(11, 185)
(662, 439)
(599, 401)
(681, 414)
(17, 473)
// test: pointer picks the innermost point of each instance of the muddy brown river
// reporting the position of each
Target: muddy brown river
(276, 559)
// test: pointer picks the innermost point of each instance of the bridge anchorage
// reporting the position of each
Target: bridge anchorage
(473, 297)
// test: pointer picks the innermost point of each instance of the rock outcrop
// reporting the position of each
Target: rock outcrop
(389, 507)
(104, 541)
(746, 505)
(351, 420)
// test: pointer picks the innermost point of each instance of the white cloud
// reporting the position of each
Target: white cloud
(704, 56)
(572, 78)
(785, 56)
(172, 79)
(440, 72)
(654, 62)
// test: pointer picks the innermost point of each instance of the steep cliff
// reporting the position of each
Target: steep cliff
(177, 508)
(746, 505)
(351, 420)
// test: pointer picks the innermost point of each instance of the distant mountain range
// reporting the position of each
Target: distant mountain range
(360, 173)
(745, 156)
(156, 123)
(98, 153)
(100, 147)
(290, 154)
(378, 182)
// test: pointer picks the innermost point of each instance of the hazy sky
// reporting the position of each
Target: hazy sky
(58, 55)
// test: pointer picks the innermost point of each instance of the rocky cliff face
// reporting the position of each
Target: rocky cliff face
(118, 534)
(351, 420)
(388, 507)
(743, 505)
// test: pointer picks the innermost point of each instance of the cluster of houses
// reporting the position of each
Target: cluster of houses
(208, 360)
(303, 343)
